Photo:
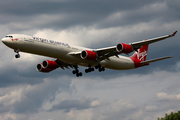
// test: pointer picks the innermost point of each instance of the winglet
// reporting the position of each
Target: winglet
(174, 33)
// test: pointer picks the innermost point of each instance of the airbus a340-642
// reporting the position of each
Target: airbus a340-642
(72, 56)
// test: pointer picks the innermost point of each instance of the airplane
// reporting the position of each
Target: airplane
(66, 55)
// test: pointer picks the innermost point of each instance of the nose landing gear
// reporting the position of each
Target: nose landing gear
(17, 55)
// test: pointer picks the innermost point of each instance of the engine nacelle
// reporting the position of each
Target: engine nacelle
(40, 68)
(47, 66)
(124, 48)
(88, 55)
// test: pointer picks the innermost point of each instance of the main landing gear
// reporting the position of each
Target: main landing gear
(76, 71)
(88, 70)
(17, 55)
(100, 68)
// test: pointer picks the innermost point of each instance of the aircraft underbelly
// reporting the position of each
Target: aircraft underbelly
(77, 60)
(43, 49)
(121, 63)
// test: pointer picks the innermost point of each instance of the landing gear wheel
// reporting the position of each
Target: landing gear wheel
(80, 74)
(92, 69)
(17, 56)
(100, 68)
(86, 70)
(77, 75)
(17, 51)
(96, 67)
(103, 69)
(74, 71)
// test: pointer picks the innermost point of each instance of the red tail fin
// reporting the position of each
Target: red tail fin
(140, 56)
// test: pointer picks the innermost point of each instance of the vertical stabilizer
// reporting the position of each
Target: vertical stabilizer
(140, 56)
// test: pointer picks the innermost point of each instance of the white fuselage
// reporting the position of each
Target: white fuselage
(60, 50)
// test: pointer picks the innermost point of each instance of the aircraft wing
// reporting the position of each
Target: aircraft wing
(105, 53)
(111, 51)
(149, 41)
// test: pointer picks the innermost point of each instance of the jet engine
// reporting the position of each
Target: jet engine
(47, 66)
(124, 48)
(88, 55)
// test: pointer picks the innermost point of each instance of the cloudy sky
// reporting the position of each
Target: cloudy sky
(144, 93)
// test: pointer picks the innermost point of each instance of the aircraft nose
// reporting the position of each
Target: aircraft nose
(3, 40)
(6, 40)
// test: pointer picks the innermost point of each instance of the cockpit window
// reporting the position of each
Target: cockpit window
(10, 36)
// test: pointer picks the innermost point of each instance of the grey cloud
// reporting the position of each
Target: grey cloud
(67, 105)
(29, 98)
(21, 7)
(78, 12)
(122, 109)
(15, 79)
(164, 96)
(150, 108)
(138, 21)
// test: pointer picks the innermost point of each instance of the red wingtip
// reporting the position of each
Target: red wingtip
(174, 33)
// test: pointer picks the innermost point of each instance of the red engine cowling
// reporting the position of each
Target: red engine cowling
(47, 66)
(88, 55)
(124, 48)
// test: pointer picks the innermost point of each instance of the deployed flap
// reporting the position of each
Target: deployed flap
(154, 60)
(63, 64)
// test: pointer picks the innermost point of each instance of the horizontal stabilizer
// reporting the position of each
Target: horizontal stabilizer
(154, 60)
